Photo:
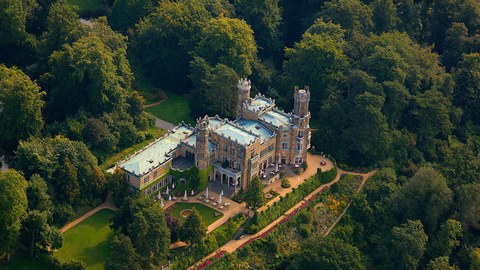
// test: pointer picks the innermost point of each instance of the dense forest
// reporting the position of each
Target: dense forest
(395, 85)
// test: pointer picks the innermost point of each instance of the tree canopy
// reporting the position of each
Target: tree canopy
(21, 106)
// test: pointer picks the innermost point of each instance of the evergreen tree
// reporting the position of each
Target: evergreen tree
(123, 255)
(254, 196)
(193, 229)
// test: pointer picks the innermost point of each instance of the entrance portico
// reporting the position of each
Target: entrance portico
(227, 176)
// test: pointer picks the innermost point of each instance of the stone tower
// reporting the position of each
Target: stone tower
(243, 87)
(301, 121)
(202, 155)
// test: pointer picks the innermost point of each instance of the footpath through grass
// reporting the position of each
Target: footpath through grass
(207, 213)
(89, 241)
(174, 110)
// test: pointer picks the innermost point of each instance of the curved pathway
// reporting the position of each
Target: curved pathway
(107, 204)
(233, 245)
(155, 103)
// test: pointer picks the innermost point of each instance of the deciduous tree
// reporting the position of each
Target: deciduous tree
(409, 242)
(165, 39)
(13, 204)
(229, 42)
(20, 108)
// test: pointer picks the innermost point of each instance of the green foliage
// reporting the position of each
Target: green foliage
(212, 84)
(192, 178)
(37, 235)
(447, 238)
(317, 61)
(285, 183)
(475, 259)
(150, 235)
(62, 27)
(13, 35)
(254, 196)
(352, 15)
(73, 265)
(468, 86)
(92, 73)
(21, 107)
(384, 15)
(193, 229)
(330, 253)
(165, 38)
(68, 166)
(123, 255)
(467, 210)
(408, 244)
(441, 263)
(144, 222)
(126, 13)
(425, 197)
(264, 17)
(203, 178)
(229, 42)
(368, 132)
(37, 194)
(13, 204)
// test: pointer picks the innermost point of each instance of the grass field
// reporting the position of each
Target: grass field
(174, 110)
(88, 241)
(114, 158)
(206, 212)
(23, 263)
(88, 5)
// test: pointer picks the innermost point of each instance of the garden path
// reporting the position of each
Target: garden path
(159, 122)
(314, 162)
(233, 245)
(107, 204)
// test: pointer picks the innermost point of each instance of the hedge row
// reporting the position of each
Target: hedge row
(262, 219)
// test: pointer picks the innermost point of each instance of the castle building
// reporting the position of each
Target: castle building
(232, 152)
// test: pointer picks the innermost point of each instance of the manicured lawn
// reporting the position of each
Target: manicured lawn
(174, 110)
(206, 212)
(88, 241)
(88, 5)
(114, 158)
(23, 263)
